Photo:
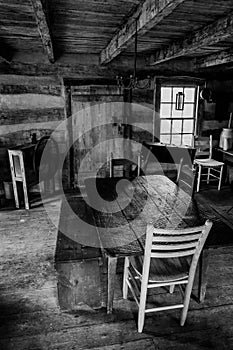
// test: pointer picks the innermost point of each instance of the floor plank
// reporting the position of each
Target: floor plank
(31, 316)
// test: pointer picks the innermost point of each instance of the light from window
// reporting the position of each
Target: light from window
(177, 127)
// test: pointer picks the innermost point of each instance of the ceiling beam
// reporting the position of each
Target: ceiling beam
(148, 15)
(43, 28)
(210, 35)
(219, 58)
(82, 66)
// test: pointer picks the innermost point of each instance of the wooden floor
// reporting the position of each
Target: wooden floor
(32, 316)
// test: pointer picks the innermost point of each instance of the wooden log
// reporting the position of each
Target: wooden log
(13, 84)
(43, 28)
(10, 117)
(149, 14)
(91, 71)
(210, 35)
(219, 58)
(50, 89)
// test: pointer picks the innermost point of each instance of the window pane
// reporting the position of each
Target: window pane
(188, 126)
(166, 94)
(175, 91)
(187, 140)
(189, 94)
(165, 111)
(175, 113)
(181, 126)
(176, 126)
(176, 140)
(165, 126)
(165, 138)
(188, 111)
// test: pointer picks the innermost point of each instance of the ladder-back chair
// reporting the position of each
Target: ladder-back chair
(186, 177)
(214, 168)
(170, 258)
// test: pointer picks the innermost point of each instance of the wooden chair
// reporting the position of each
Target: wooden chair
(28, 169)
(125, 167)
(170, 258)
(18, 175)
(185, 179)
(214, 168)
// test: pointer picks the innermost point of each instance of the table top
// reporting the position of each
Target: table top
(122, 209)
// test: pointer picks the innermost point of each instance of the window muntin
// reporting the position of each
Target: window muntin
(177, 127)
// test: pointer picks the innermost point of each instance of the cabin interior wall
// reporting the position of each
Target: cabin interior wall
(29, 105)
(215, 113)
(36, 105)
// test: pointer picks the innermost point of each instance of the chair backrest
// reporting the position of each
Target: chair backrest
(124, 167)
(186, 177)
(169, 243)
(16, 163)
(204, 146)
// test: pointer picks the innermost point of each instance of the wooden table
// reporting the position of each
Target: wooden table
(122, 209)
(227, 158)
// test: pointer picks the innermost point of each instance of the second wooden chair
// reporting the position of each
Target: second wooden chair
(214, 168)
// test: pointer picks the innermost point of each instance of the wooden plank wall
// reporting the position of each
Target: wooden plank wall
(97, 112)
(143, 114)
(213, 116)
(28, 105)
(94, 105)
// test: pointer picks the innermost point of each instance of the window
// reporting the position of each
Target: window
(177, 126)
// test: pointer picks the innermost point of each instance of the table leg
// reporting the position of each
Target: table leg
(203, 272)
(112, 263)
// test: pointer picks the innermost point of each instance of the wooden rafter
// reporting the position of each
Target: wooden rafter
(219, 58)
(149, 14)
(43, 28)
(210, 35)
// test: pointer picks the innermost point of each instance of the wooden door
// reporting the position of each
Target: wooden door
(97, 118)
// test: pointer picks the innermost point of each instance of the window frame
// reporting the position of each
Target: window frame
(171, 118)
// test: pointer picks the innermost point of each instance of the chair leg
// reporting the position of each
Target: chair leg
(26, 201)
(220, 178)
(141, 311)
(184, 312)
(112, 262)
(199, 178)
(142, 304)
(15, 193)
(126, 274)
(208, 176)
(171, 289)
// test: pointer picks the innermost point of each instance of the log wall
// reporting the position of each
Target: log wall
(28, 105)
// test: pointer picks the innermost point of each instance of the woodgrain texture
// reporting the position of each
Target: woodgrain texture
(43, 27)
(147, 16)
(210, 36)
(107, 29)
(32, 318)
